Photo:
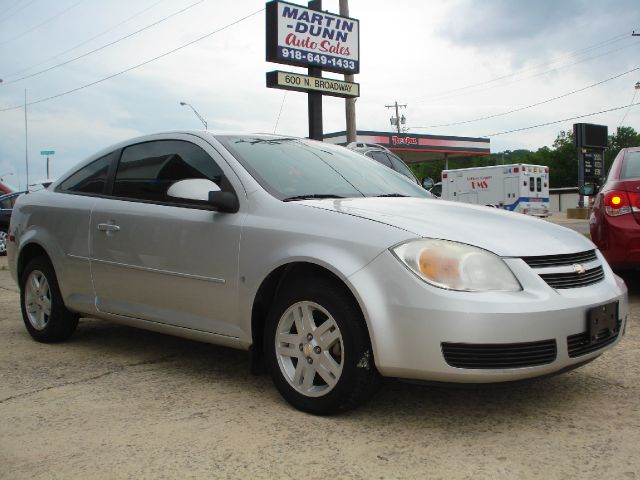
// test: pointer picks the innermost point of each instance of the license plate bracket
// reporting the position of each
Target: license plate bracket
(602, 322)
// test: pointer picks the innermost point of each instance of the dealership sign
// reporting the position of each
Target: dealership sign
(305, 83)
(308, 38)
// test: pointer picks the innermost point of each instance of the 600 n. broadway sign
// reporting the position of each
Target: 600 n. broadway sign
(307, 38)
(305, 83)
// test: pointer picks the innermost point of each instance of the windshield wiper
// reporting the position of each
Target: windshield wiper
(310, 197)
(392, 195)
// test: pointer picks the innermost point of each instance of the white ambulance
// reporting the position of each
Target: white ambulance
(519, 187)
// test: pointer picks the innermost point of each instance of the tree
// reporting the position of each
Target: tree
(562, 158)
(624, 137)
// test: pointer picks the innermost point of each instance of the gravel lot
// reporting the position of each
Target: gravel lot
(116, 402)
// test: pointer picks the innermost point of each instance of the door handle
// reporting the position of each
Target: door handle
(108, 227)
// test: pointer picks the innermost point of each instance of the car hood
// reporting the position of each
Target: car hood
(505, 233)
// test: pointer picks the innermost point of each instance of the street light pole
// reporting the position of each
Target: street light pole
(204, 122)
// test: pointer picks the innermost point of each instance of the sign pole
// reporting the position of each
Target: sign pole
(349, 103)
(48, 153)
(315, 98)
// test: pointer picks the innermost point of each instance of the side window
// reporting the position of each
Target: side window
(89, 179)
(539, 184)
(631, 165)
(532, 184)
(6, 203)
(380, 157)
(147, 170)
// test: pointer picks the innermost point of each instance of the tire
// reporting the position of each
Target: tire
(46, 318)
(4, 237)
(317, 347)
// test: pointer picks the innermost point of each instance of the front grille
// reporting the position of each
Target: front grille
(499, 355)
(560, 260)
(579, 344)
(574, 279)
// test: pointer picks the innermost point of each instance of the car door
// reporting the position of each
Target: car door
(155, 258)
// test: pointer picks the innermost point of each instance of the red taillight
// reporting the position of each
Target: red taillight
(516, 170)
(618, 203)
(444, 176)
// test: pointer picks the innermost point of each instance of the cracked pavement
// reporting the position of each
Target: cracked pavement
(116, 402)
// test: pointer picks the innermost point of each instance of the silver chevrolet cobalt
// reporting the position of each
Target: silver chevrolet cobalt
(332, 269)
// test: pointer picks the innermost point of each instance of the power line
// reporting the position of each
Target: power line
(280, 112)
(103, 46)
(15, 12)
(58, 55)
(560, 121)
(635, 92)
(538, 74)
(50, 19)
(574, 53)
(533, 104)
(146, 62)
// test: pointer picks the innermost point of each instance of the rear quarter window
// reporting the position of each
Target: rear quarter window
(90, 179)
(631, 166)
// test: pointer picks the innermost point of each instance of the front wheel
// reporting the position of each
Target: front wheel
(318, 348)
(43, 311)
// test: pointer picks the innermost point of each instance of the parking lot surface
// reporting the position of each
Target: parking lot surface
(116, 402)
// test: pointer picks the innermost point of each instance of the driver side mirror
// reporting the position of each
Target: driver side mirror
(427, 183)
(204, 190)
(588, 190)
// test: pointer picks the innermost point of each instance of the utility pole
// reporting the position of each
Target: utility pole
(349, 103)
(397, 120)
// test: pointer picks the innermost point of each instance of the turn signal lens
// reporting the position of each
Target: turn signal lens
(456, 266)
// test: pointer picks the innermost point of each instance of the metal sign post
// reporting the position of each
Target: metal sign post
(315, 98)
(48, 153)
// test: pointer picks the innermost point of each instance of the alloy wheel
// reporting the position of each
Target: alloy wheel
(309, 349)
(38, 300)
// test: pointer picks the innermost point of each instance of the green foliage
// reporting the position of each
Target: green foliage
(561, 158)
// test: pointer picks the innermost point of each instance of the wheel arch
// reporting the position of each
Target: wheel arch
(27, 253)
(268, 290)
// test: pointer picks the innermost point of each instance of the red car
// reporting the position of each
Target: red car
(615, 217)
(4, 189)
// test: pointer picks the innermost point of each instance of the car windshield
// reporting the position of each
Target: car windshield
(294, 169)
(631, 165)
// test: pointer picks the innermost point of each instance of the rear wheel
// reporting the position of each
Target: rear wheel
(318, 349)
(43, 311)
(4, 237)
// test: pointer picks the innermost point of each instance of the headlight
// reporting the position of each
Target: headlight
(456, 266)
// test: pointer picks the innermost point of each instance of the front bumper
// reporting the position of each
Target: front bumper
(409, 321)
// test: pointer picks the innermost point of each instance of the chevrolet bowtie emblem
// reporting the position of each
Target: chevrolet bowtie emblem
(579, 269)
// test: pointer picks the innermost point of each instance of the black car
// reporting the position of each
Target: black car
(6, 207)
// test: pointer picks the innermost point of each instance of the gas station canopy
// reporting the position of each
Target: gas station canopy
(415, 148)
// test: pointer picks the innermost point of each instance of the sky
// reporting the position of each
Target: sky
(450, 62)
